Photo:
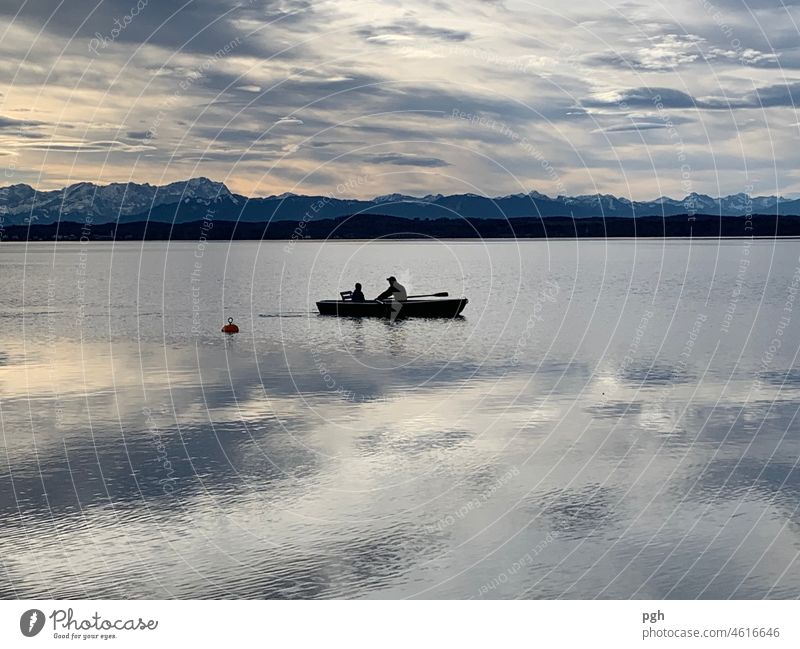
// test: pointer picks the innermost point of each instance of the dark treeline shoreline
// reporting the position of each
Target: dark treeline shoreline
(369, 226)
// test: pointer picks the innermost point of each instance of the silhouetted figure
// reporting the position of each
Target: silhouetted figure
(358, 294)
(396, 291)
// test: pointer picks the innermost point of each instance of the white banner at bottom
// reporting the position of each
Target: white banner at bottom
(389, 624)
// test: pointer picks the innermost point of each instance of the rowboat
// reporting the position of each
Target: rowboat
(387, 309)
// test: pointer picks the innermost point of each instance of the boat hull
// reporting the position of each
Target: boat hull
(449, 308)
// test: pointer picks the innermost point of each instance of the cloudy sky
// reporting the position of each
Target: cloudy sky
(485, 96)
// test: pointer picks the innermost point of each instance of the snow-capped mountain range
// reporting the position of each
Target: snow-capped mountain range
(107, 202)
(199, 198)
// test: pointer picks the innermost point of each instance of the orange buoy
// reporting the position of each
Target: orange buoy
(230, 328)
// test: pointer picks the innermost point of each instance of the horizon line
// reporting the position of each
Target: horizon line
(337, 196)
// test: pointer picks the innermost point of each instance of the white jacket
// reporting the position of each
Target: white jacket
(399, 291)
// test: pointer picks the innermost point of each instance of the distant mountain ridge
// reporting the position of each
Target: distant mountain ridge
(198, 198)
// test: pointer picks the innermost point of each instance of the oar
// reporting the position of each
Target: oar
(445, 294)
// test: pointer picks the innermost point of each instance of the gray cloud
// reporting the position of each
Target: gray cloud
(199, 26)
(782, 94)
(405, 160)
(665, 52)
(745, 6)
(409, 28)
(643, 98)
(331, 143)
(75, 146)
(12, 123)
(777, 95)
(633, 127)
(669, 50)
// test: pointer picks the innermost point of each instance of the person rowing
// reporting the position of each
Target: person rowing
(396, 291)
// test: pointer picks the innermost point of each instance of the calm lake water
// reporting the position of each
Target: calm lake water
(608, 419)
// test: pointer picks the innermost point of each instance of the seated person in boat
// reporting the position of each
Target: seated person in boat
(358, 294)
(396, 291)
